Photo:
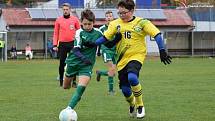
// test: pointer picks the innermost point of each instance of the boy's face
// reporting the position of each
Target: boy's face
(125, 14)
(109, 17)
(87, 25)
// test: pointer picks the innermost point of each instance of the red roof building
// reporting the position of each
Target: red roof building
(20, 17)
(175, 18)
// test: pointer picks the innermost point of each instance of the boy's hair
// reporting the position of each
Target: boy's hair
(128, 4)
(108, 12)
(66, 4)
(87, 14)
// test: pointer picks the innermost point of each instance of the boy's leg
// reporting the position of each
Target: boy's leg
(70, 75)
(133, 72)
(137, 91)
(126, 90)
(74, 84)
(108, 59)
(67, 82)
(100, 73)
(110, 84)
(77, 96)
(83, 82)
(111, 74)
(136, 88)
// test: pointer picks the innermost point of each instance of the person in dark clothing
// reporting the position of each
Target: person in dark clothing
(64, 34)
(13, 52)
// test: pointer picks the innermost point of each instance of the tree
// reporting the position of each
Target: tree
(212, 2)
(186, 2)
(22, 2)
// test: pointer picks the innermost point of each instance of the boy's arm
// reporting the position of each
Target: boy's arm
(77, 48)
(105, 41)
(164, 57)
(98, 42)
(153, 31)
(77, 52)
(117, 38)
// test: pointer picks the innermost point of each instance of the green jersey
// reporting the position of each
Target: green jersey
(82, 36)
(104, 48)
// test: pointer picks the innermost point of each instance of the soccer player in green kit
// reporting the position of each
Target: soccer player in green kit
(108, 55)
(81, 59)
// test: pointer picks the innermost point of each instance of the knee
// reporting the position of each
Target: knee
(111, 72)
(126, 91)
(133, 79)
(111, 69)
(66, 87)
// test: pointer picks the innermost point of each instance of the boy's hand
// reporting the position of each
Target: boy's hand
(87, 62)
(164, 57)
(118, 37)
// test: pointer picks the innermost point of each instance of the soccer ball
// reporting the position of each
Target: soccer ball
(68, 114)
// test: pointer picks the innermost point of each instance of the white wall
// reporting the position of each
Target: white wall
(178, 40)
(152, 48)
(2, 24)
(204, 26)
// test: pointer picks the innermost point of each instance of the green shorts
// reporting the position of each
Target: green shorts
(108, 56)
(79, 70)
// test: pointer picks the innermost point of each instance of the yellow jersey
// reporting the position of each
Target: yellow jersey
(132, 46)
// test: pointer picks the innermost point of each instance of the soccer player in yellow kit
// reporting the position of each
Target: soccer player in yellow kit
(131, 52)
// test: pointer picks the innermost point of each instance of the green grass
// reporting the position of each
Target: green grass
(182, 91)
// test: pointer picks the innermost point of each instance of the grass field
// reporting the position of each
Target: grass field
(182, 91)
